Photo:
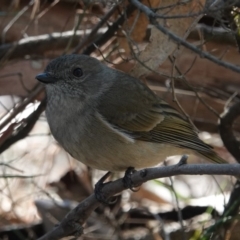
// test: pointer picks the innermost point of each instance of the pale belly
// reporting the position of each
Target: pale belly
(101, 147)
(119, 157)
(98, 145)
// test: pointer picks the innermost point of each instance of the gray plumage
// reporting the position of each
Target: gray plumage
(110, 120)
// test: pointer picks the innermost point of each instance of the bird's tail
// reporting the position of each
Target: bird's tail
(216, 159)
(211, 155)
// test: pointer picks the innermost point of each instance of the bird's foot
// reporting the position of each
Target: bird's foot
(98, 191)
(127, 180)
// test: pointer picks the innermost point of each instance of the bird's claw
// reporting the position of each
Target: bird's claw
(127, 179)
(98, 191)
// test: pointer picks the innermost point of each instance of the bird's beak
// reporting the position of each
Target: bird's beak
(45, 78)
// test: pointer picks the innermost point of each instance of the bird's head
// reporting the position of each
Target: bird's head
(76, 76)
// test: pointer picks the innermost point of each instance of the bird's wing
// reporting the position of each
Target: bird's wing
(137, 110)
(178, 132)
(132, 107)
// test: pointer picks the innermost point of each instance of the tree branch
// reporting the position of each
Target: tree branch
(73, 221)
(38, 89)
(232, 144)
(93, 32)
(42, 43)
(225, 130)
(152, 18)
(25, 127)
(111, 30)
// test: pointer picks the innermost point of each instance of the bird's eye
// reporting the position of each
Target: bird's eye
(77, 72)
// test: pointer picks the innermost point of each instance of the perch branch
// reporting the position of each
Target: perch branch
(73, 221)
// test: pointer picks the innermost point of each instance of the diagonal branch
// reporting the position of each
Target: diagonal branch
(38, 89)
(153, 20)
(110, 32)
(94, 31)
(25, 127)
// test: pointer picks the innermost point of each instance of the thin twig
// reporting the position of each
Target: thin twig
(174, 94)
(111, 30)
(179, 212)
(94, 31)
(182, 77)
(16, 17)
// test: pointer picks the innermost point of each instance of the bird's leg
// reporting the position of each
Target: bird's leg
(98, 190)
(127, 179)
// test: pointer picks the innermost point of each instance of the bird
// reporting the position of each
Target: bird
(110, 120)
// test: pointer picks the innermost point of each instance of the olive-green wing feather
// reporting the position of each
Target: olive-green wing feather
(138, 111)
(177, 131)
(133, 108)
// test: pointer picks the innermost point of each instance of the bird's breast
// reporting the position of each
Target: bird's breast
(89, 138)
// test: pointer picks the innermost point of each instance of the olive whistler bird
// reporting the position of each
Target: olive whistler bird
(111, 121)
